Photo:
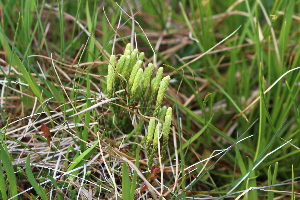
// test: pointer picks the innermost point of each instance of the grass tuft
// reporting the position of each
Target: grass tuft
(149, 99)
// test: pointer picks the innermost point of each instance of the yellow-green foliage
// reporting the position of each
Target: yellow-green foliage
(139, 89)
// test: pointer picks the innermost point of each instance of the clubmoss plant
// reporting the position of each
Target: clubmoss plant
(121, 62)
(162, 113)
(160, 95)
(136, 82)
(133, 57)
(125, 68)
(135, 69)
(137, 90)
(127, 49)
(149, 136)
(155, 144)
(147, 76)
(165, 119)
(111, 75)
(141, 56)
(156, 81)
(166, 131)
(154, 88)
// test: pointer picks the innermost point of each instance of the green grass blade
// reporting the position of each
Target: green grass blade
(87, 114)
(30, 80)
(226, 94)
(79, 160)
(2, 182)
(286, 27)
(197, 135)
(9, 169)
(240, 161)
(272, 180)
(202, 121)
(61, 28)
(59, 196)
(39, 190)
(252, 182)
(5, 41)
(293, 183)
(125, 182)
(135, 175)
(262, 119)
(270, 194)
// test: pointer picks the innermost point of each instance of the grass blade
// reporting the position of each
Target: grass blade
(9, 169)
(30, 80)
(2, 183)
(80, 159)
(39, 190)
(125, 182)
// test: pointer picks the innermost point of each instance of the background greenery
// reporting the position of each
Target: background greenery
(54, 58)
